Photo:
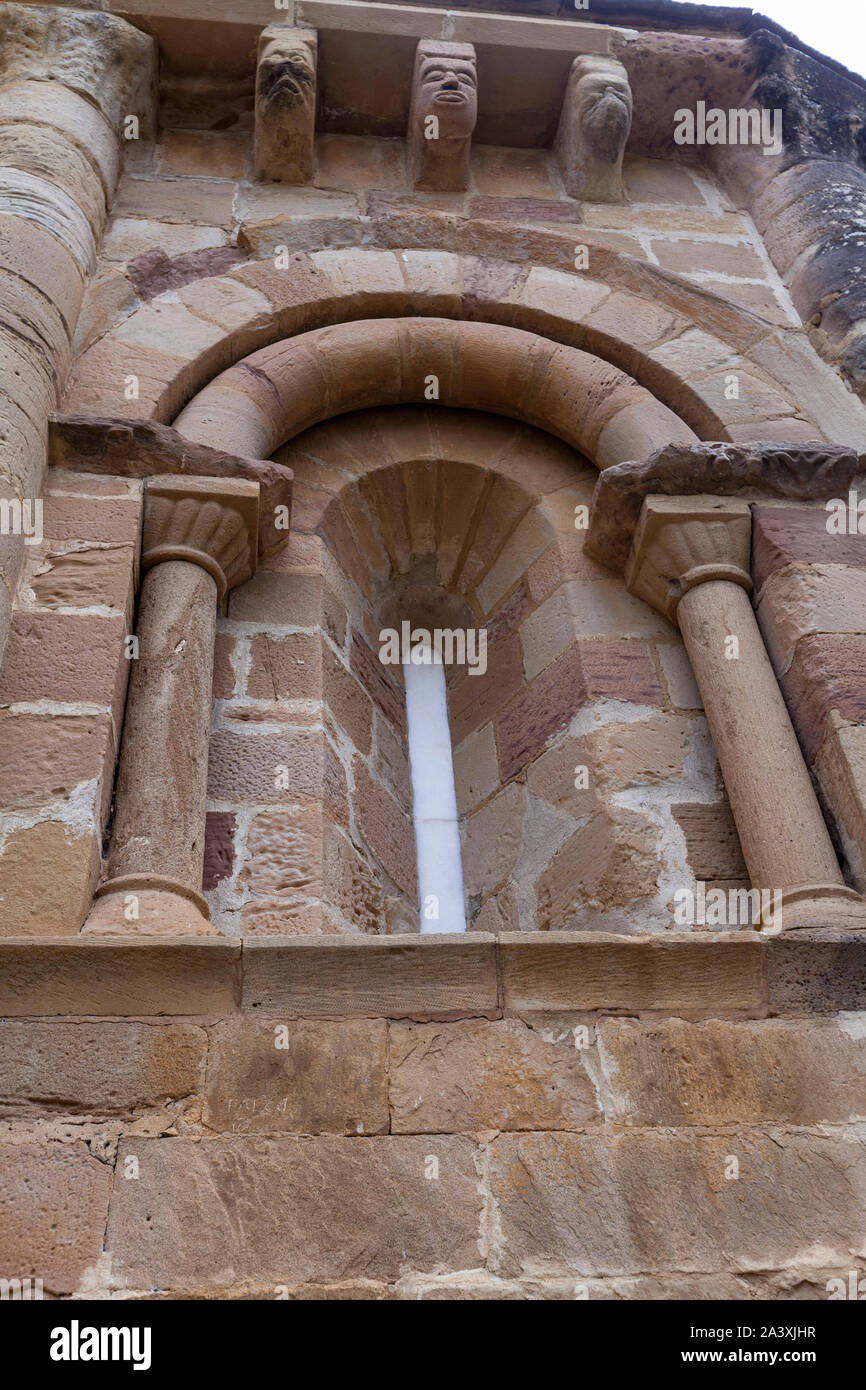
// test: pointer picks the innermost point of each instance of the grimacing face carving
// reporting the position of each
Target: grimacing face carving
(286, 75)
(448, 89)
(604, 104)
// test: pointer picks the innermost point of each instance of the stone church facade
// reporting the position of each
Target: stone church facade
(541, 321)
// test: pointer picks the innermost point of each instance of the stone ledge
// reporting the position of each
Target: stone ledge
(92, 976)
(408, 976)
(435, 977)
(598, 970)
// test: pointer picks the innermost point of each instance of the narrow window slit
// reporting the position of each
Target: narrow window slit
(434, 798)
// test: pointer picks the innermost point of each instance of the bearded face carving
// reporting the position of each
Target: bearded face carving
(442, 115)
(593, 129)
(285, 105)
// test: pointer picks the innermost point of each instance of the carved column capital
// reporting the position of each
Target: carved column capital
(684, 541)
(210, 522)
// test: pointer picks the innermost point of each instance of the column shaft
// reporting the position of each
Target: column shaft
(162, 779)
(782, 831)
(199, 539)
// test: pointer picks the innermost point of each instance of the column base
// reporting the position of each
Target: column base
(816, 907)
(148, 905)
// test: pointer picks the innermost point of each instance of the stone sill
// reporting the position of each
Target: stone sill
(434, 977)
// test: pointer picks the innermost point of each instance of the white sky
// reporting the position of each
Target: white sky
(834, 27)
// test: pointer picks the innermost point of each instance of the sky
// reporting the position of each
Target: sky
(834, 27)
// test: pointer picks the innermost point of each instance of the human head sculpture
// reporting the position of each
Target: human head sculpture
(285, 104)
(594, 128)
(442, 114)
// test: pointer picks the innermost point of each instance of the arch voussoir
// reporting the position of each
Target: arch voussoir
(283, 389)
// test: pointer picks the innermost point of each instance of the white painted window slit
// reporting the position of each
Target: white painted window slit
(434, 799)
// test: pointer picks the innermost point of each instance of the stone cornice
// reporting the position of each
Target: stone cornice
(144, 449)
(753, 472)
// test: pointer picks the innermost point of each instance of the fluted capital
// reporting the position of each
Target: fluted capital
(211, 522)
(684, 541)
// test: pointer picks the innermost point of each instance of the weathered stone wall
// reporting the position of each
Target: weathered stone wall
(689, 1124)
(530, 1111)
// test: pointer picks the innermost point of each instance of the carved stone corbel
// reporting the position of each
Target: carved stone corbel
(285, 104)
(593, 129)
(442, 115)
(199, 540)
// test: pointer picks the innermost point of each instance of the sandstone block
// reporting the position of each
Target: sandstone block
(47, 877)
(473, 699)
(284, 600)
(476, 773)
(97, 1068)
(800, 601)
(219, 848)
(824, 686)
(609, 862)
(470, 1076)
(386, 828)
(799, 536)
(87, 578)
(288, 667)
(399, 976)
(671, 1073)
(491, 841)
(104, 977)
(309, 1076)
(293, 1197)
(54, 1200)
(816, 973)
(604, 1205)
(45, 758)
(712, 842)
(266, 767)
(542, 971)
(204, 201)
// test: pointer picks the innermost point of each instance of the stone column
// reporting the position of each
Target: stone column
(199, 541)
(690, 559)
(69, 82)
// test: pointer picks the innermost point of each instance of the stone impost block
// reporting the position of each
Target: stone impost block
(144, 449)
(749, 471)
